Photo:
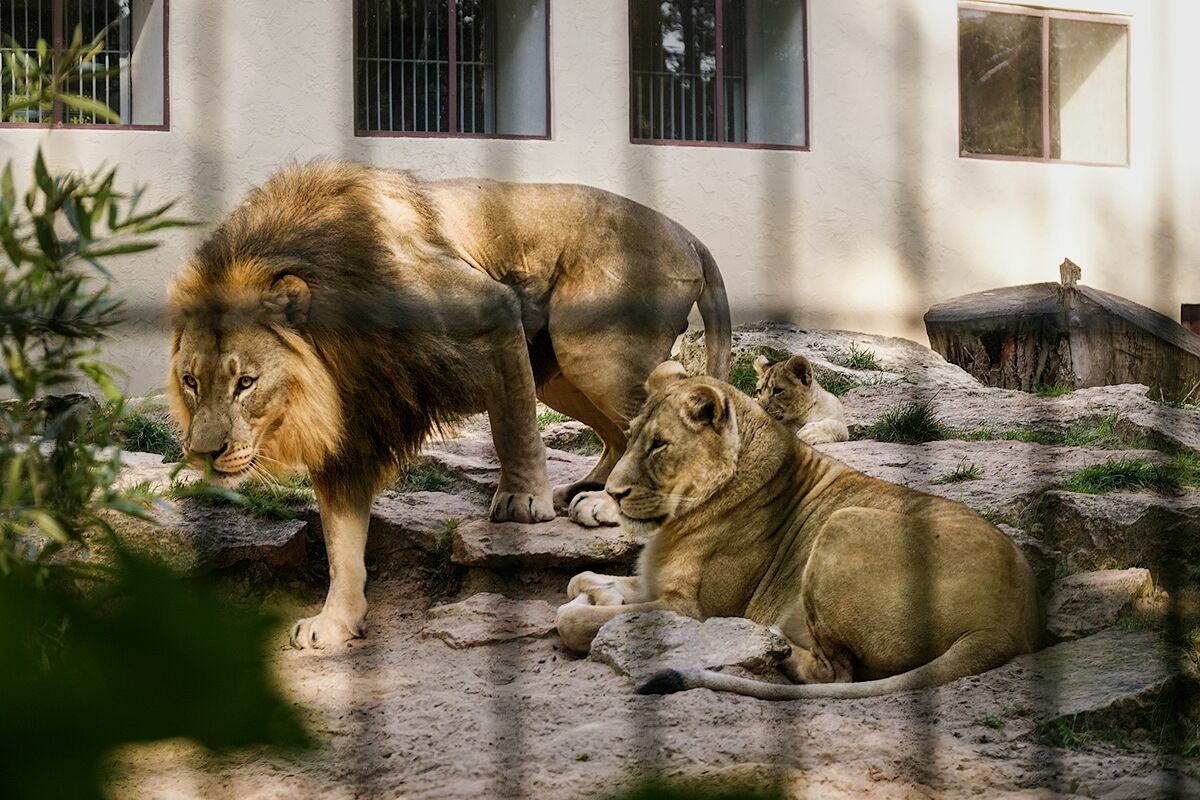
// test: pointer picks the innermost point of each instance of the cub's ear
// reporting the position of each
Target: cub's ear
(664, 375)
(288, 301)
(801, 368)
(705, 407)
(760, 365)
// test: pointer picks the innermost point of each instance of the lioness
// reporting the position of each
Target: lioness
(869, 580)
(790, 393)
(342, 313)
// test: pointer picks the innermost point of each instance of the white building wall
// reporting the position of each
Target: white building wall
(879, 220)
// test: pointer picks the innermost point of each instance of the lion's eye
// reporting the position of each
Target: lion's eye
(245, 382)
(189, 382)
(777, 390)
(657, 444)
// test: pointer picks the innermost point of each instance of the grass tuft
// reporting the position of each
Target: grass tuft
(144, 434)
(990, 721)
(425, 475)
(913, 423)
(1056, 390)
(859, 358)
(1188, 398)
(284, 499)
(963, 473)
(550, 417)
(1118, 474)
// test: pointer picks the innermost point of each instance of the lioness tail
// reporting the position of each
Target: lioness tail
(714, 310)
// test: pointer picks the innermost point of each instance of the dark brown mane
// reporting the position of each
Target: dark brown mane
(400, 376)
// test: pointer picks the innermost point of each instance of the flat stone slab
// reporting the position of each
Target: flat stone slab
(195, 537)
(643, 642)
(557, 543)
(423, 521)
(489, 618)
(1123, 529)
(1113, 677)
(474, 460)
(1087, 602)
(1011, 473)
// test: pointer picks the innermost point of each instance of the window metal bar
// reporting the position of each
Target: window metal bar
(719, 42)
(391, 68)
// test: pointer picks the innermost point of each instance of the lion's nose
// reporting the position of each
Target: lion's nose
(618, 494)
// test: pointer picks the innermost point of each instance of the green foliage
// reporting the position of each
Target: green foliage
(913, 423)
(148, 435)
(1102, 432)
(1188, 397)
(837, 383)
(741, 369)
(35, 79)
(859, 358)
(550, 417)
(424, 475)
(1117, 474)
(143, 655)
(990, 721)
(275, 499)
(1056, 390)
(964, 472)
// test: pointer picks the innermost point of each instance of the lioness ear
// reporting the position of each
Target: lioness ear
(288, 301)
(800, 367)
(705, 406)
(664, 375)
(760, 365)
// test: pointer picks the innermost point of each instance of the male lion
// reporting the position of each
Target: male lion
(342, 313)
(867, 579)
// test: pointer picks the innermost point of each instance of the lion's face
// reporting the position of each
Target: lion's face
(784, 390)
(247, 388)
(682, 448)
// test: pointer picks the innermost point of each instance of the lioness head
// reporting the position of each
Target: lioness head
(784, 390)
(246, 385)
(683, 447)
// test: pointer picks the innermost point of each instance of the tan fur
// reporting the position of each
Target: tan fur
(342, 314)
(789, 392)
(868, 580)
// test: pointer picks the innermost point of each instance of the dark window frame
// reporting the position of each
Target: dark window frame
(1047, 14)
(58, 36)
(452, 16)
(719, 80)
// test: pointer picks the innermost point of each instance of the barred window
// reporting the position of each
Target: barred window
(718, 71)
(128, 73)
(452, 67)
(1043, 84)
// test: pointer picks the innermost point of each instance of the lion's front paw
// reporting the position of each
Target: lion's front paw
(325, 631)
(521, 507)
(592, 509)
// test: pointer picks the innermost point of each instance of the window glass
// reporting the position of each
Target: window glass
(1000, 83)
(1088, 76)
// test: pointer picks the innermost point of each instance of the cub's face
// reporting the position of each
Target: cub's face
(683, 447)
(247, 388)
(785, 390)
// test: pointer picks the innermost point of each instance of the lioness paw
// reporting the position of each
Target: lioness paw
(324, 631)
(521, 507)
(593, 509)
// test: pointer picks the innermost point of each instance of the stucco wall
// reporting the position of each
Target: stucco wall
(879, 220)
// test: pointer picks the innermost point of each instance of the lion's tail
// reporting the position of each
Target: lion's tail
(714, 310)
(970, 655)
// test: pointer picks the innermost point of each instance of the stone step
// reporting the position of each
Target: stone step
(558, 543)
(489, 618)
(475, 461)
(1087, 602)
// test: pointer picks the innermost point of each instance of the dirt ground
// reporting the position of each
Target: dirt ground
(399, 715)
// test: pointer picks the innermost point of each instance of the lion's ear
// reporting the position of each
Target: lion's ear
(288, 301)
(760, 365)
(705, 407)
(664, 375)
(801, 368)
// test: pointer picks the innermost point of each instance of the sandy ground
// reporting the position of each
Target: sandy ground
(399, 715)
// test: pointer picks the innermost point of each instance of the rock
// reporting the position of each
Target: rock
(573, 437)
(1122, 529)
(1041, 557)
(1087, 602)
(899, 360)
(423, 521)
(489, 619)
(194, 537)
(475, 460)
(1112, 678)
(557, 543)
(641, 643)
(1011, 474)
(149, 468)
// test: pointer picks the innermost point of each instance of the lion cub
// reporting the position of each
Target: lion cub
(790, 393)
